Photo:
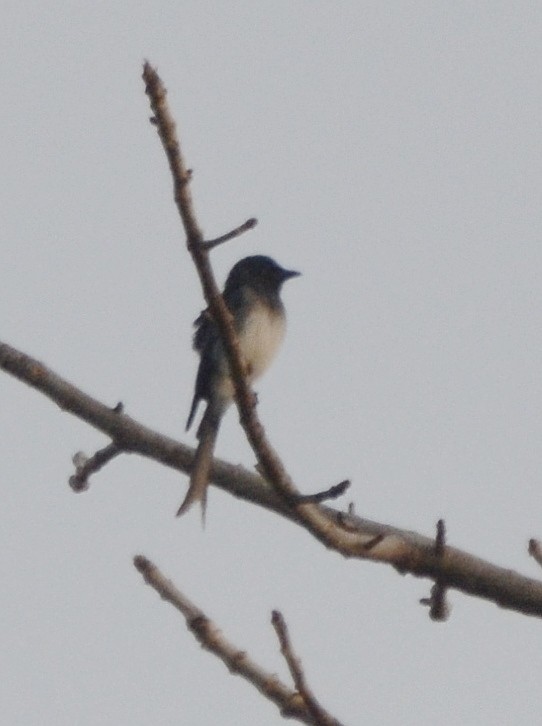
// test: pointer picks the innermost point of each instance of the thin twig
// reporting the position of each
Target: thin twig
(440, 538)
(84, 466)
(237, 232)
(207, 633)
(334, 492)
(439, 610)
(319, 714)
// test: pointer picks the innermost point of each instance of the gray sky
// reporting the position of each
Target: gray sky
(391, 151)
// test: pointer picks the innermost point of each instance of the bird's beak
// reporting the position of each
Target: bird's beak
(287, 274)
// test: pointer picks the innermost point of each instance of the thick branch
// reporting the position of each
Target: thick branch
(290, 703)
(406, 551)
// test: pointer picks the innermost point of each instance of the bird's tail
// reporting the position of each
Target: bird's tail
(201, 465)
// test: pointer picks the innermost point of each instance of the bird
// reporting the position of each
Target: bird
(252, 295)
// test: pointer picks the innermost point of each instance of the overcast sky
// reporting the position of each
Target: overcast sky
(391, 151)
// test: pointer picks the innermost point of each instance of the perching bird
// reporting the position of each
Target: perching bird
(252, 295)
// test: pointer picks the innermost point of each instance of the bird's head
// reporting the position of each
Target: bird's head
(259, 272)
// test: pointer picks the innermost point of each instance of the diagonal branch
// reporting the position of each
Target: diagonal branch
(195, 243)
(290, 703)
(407, 552)
(269, 461)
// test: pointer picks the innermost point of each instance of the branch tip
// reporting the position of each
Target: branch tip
(142, 564)
(318, 713)
(535, 550)
(440, 539)
(85, 466)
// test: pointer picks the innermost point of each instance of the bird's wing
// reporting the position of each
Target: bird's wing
(205, 329)
(205, 337)
(207, 343)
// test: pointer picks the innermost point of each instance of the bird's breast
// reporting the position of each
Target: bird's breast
(260, 337)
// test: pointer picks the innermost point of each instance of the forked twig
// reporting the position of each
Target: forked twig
(206, 632)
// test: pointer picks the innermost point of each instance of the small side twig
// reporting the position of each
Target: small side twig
(85, 466)
(319, 714)
(535, 550)
(237, 232)
(208, 634)
(438, 607)
(334, 492)
(440, 539)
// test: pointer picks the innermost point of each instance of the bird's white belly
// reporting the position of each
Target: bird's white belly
(260, 339)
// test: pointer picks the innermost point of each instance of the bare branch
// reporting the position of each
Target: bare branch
(289, 702)
(125, 432)
(249, 224)
(440, 539)
(360, 538)
(84, 466)
(319, 714)
(181, 174)
(334, 492)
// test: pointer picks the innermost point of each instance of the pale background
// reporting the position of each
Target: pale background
(392, 152)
